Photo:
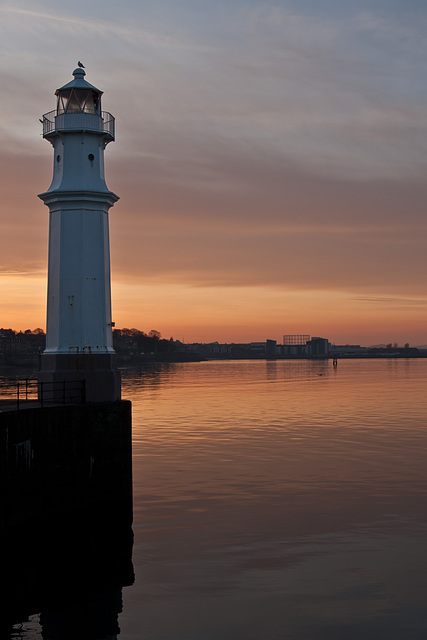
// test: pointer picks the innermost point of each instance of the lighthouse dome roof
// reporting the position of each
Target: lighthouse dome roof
(79, 82)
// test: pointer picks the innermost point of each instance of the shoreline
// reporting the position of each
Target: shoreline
(177, 358)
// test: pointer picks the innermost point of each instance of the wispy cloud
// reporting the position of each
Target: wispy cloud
(101, 28)
(391, 27)
(7, 272)
(394, 302)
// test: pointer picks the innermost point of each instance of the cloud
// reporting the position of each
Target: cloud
(397, 303)
(273, 82)
(258, 145)
(287, 87)
(77, 26)
(7, 271)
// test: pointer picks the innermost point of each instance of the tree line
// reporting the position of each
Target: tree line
(129, 341)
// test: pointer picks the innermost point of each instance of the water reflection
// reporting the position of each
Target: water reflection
(279, 500)
(70, 567)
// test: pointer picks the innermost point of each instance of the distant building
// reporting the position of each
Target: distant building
(295, 340)
(271, 348)
(318, 347)
(348, 350)
(257, 349)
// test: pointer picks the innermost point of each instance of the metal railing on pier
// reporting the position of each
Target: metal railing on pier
(62, 392)
(42, 393)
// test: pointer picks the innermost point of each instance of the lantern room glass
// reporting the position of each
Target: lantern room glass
(77, 100)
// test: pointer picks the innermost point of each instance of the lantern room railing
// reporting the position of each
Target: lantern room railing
(79, 121)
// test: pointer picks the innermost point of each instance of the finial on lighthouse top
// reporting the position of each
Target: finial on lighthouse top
(79, 73)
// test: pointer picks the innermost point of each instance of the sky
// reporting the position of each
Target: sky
(270, 159)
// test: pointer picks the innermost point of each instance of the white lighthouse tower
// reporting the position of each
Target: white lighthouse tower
(79, 343)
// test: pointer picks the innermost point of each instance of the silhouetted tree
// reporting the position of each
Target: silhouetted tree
(8, 332)
(135, 343)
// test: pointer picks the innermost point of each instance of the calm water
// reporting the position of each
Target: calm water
(278, 500)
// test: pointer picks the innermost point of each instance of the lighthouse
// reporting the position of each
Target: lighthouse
(79, 339)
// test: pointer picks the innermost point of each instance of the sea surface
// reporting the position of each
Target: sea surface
(277, 500)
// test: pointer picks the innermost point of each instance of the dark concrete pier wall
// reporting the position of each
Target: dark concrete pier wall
(66, 516)
(59, 458)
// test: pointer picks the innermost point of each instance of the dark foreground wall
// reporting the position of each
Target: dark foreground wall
(66, 516)
(60, 457)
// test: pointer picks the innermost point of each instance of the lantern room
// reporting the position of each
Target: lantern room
(78, 96)
(78, 108)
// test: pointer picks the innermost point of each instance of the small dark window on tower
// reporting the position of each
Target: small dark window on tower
(91, 157)
(58, 158)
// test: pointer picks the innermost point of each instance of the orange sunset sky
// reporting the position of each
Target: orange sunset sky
(270, 159)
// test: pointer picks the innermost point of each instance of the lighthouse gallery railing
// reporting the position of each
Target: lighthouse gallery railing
(54, 121)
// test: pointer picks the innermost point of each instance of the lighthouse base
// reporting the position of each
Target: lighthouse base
(83, 377)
